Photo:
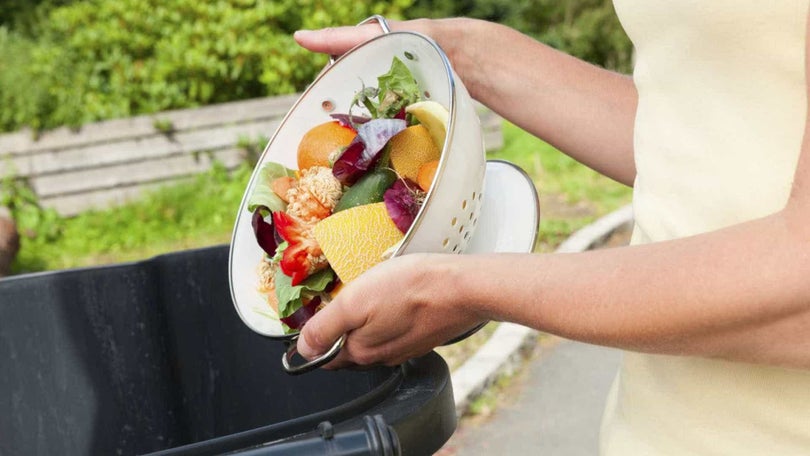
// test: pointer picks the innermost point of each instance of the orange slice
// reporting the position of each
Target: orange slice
(426, 174)
(320, 141)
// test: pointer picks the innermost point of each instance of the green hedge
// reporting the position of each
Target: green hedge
(68, 62)
(101, 59)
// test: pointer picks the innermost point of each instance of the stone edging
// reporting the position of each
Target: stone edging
(504, 351)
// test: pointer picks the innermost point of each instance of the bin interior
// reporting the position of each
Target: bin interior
(148, 356)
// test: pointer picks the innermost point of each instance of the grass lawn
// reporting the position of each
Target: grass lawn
(201, 212)
(571, 195)
(197, 213)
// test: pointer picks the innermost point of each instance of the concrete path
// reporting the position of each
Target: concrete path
(553, 407)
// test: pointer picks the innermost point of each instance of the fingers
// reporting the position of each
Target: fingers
(366, 358)
(336, 40)
(326, 327)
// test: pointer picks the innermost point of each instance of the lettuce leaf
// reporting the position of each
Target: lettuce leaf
(279, 252)
(262, 194)
(290, 298)
(299, 318)
(397, 89)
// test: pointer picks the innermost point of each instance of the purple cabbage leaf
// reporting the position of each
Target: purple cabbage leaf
(365, 149)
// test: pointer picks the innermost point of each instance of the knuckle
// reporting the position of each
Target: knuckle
(313, 337)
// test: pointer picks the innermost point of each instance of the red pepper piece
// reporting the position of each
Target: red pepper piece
(295, 261)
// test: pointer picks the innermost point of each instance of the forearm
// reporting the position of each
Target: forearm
(740, 293)
(583, 110)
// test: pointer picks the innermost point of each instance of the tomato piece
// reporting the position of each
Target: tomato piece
(294, 263)
(301, 246)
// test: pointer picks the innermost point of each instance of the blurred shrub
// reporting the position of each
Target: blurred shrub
(588, 29)
(24, 15)
(66, 62)
(100, 59)
(20, 98)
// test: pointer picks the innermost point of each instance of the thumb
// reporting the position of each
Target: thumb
(326, 327)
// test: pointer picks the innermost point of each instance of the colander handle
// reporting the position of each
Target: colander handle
(383, 23)
(292, 350)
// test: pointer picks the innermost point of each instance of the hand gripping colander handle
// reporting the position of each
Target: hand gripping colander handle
(383, 23)
(292, 350)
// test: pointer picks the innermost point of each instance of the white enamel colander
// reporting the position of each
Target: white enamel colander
(461, 212)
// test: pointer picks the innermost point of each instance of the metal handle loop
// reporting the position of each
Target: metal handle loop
(381, 21)
(292, 350)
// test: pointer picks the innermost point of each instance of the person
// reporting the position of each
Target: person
(711, 301)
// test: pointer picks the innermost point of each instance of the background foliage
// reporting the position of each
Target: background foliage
(68, 62)
(97, 59)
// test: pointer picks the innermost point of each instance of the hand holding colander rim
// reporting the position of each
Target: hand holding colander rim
(461, 212)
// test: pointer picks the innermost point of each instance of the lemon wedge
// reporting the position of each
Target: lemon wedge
(433, 116)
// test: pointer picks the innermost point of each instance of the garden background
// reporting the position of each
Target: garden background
(69, 63)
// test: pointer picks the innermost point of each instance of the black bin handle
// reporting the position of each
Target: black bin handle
(375, 439)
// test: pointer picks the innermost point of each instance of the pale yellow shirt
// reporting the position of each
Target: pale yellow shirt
(721, 114)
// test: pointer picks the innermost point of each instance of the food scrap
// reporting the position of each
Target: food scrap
(360, 184)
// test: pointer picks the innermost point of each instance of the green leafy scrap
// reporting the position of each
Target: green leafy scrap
(291, 298)
(397, 89)
(262, 194)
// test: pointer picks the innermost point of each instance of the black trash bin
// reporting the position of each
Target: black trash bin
(150, 357)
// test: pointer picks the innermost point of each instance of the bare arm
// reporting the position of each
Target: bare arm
(741, 293)
(583, 110)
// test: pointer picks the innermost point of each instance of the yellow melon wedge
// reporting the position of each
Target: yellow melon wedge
(355, 239)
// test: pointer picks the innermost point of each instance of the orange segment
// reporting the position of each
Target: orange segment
(320, 141)
(355, 239)
(410, 149)
(426, 174)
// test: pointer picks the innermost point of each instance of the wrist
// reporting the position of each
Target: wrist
(457, 38)
(448, 281)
